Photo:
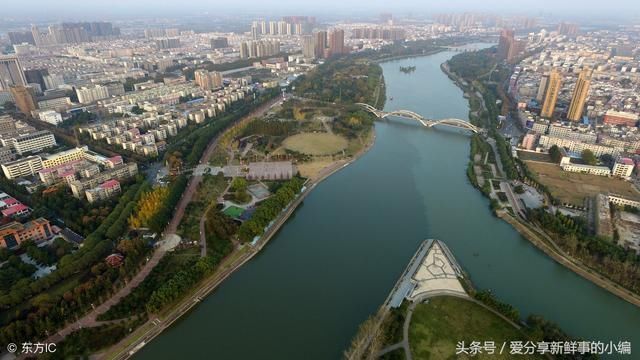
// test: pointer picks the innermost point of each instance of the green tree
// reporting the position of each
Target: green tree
(555, 154)
(588, 157)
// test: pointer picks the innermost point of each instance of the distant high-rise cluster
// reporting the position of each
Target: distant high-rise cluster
(208, 80)
(384, 33)
(219, 43)
(568, 29)
(69, 33)
(158, 33)
(168, 43)
(510, 48)
(260, 48)
(323, 44)
(289, 25)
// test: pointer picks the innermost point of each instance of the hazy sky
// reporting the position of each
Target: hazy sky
(107, 8)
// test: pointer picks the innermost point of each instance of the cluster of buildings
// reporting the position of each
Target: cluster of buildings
(13, 231)
(580, 92)
(324, 44)
(287, 26)
(65, 33)
(144, 134)
(18, 139)
(259, 48)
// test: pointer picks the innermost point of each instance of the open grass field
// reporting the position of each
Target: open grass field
(572, 188)
(438, 325)
(311, 169)
(315, 143)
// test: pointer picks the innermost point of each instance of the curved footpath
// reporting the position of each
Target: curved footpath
(154, 327)
(90, 319)
(404, 344)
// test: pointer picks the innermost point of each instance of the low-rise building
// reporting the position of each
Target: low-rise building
(623, 168)
(277, 170)
(15, 233)
(587, 169)
(27, 166)
(51, 117)
(103, 191)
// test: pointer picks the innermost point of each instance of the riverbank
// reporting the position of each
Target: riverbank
(539, 238)
(156, 325)
(546, 246)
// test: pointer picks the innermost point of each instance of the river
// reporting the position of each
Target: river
(337, 258)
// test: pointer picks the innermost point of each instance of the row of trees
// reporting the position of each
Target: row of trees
(269, 128)
(269, 209)
(180, 283)
(601, 254)
(39, 308)
(492, 301)
(346, 80)
(148, 206)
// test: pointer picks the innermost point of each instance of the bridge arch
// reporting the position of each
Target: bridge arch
(408, 114)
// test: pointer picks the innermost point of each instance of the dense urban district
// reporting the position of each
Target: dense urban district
(141, 166)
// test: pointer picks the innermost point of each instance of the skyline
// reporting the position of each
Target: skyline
(119, 8)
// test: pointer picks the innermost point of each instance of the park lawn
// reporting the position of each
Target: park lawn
(573, 188)
(311, 169)
(437, 326)
(315, 143)
(233, 211)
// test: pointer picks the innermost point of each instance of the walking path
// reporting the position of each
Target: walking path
(154, 327)
(89, 319)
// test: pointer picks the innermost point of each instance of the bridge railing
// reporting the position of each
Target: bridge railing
(408, 114)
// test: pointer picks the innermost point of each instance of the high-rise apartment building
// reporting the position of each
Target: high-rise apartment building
(321, 43)
(580, 93)
(551, 96)
(24, 98)
(336, 42)
(11, 72)
(504, 43)
(308, 46)
(542, 89)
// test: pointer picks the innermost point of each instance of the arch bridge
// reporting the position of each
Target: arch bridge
(407, 114)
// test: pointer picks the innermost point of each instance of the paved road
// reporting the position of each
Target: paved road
(124, 351)
(89, 319)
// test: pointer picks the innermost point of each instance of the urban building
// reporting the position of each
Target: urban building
(580, 93)
(308, 46)
(336, 42)
(620, 118)
(15, 233)
(103, 191)
(321, 44)
(11, 72)
(551, 94)
(24, 98)
(587, 169)
(28, 166)
(208, 80)
(168, 43)
(51, 117)
(32, 142)
(219, 43)
(623, 168)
